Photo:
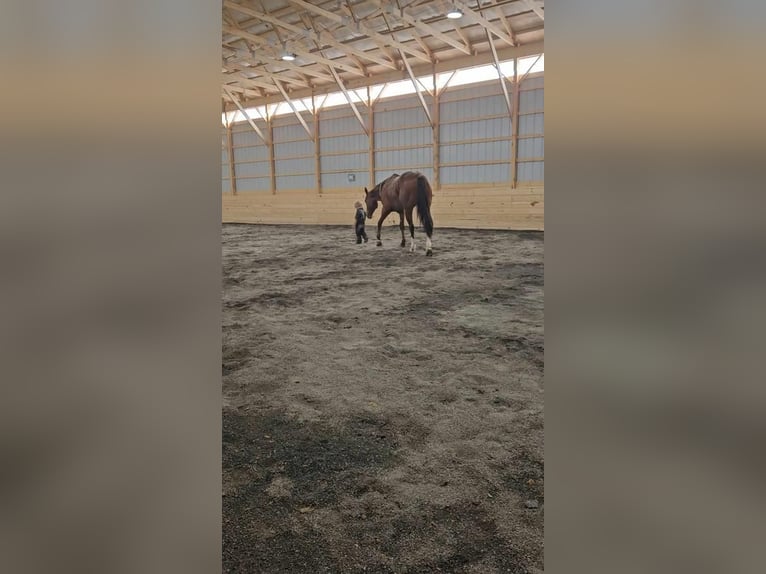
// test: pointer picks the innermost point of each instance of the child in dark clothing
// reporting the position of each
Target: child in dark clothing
(359, 225)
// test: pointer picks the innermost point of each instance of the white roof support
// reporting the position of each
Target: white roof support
(247, 116)
(500, 75)
(293, 108)
(524, 77)
(446, 84)
(350, 101)
(417, 86)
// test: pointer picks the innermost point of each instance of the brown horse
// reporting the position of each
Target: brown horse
(402, 193)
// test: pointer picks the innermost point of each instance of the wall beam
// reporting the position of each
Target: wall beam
(371, 136)
(272, 162)
(436, 127)
(317, 162)
(232, 172)
(515, 125)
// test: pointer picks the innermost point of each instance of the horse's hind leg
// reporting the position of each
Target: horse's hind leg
(401, 227)
(412, 229)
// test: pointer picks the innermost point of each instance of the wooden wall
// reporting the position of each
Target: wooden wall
(478, 206)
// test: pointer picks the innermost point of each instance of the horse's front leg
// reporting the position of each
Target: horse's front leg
(401, 227)
(383, 214)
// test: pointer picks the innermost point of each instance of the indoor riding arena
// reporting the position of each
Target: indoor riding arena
(382, 410)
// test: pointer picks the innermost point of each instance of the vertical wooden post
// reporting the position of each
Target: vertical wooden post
(371, 136)
(272, 163)
(515, 126)
(232, 172)
(436, 140)
(317, 163)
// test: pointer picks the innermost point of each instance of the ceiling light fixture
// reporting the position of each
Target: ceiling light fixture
(288, 56)
(454, 13)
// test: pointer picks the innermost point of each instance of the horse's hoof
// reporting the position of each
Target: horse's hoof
(429, 253)
(403, 244)
(380, 244)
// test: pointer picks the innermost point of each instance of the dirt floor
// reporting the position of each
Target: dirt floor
(383, 411)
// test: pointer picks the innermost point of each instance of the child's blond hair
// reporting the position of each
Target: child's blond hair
(358, 204)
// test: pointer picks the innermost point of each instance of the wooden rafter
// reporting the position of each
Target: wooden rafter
(237, 67)
(244, 81)
(466, 41)
(297, 51)
(305, 18)
(382, 40)
(500, 21)
(384, 49)
(302, 53)
(505, 22)
(296, 29)
(376, 39)
(400, 14)
(290, 103)
(304, 70)
(323, 36)
(486, 24)
(422, 43)
(415, 83)
(343, 89)
(407, 67)
(246, 92)
(537, 7)
(317, 10)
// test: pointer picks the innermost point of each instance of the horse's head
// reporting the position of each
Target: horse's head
(371, 199)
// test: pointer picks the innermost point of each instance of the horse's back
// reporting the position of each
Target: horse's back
(410, 176)
(400, 190)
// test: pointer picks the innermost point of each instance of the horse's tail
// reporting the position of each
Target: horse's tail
(424, 209)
